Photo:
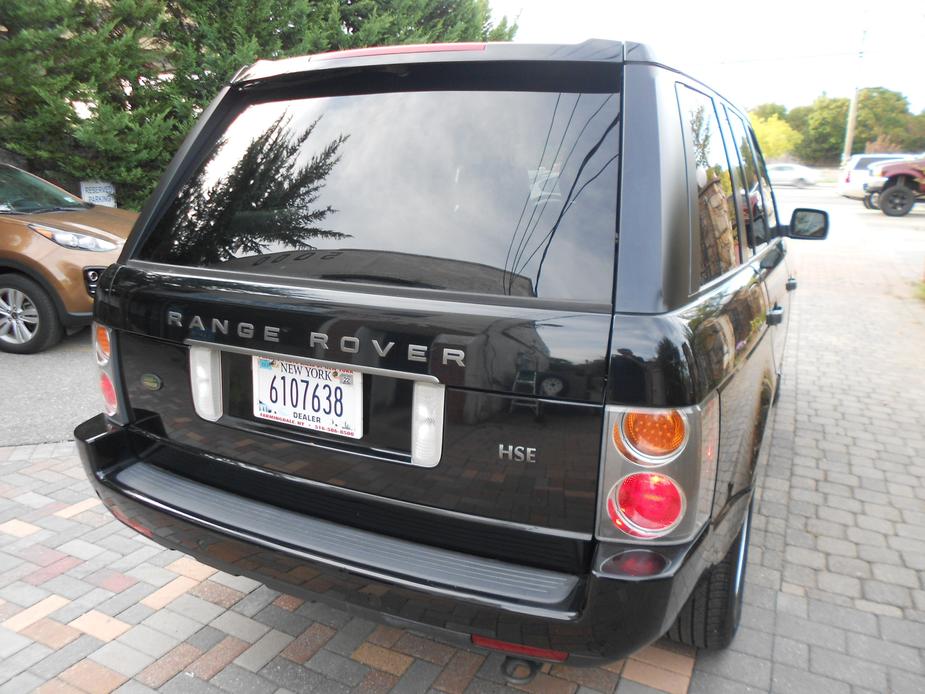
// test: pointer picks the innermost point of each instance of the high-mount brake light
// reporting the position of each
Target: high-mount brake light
(651, 437)
(408, 48)
(646, 504)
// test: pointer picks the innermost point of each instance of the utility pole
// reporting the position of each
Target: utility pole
(853, 109)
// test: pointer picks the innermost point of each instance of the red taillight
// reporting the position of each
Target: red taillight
(519, 649)
(409, 48)
(109, 394)
(646, 504)
(848, 177)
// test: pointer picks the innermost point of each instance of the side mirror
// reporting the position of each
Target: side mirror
(808, 224)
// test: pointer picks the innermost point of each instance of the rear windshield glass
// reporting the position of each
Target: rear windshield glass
(499, 192)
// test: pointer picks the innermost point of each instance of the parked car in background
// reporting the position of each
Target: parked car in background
(854, 174)
(897, 186)
(792, 175)
(53, 248)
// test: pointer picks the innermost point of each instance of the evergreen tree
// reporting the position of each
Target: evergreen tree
(108, 90)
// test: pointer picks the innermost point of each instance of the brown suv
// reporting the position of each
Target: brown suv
(53, 247)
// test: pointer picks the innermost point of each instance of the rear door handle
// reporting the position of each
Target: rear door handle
(775, 315)
(791, 284)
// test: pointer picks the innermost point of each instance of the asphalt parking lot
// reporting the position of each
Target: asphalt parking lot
(835, 599)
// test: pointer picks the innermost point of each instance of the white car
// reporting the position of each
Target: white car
(855, 173)
(792, 175)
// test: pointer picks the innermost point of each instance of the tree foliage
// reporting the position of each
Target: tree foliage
(266, 199)
(768, 110)
(108, 90)
(775, 135)
(883, 123)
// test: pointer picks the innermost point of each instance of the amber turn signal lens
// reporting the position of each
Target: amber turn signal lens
(103, 347)
(652, 434)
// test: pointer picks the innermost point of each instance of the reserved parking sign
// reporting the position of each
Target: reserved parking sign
(98, 192)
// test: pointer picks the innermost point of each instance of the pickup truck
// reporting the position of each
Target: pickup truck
(897, 185)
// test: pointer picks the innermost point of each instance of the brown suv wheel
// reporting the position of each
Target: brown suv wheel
(28, 321)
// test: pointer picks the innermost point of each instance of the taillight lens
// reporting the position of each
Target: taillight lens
(646, 504)
(637, 563)
(102, 344)
(110, 400)
(651, 437)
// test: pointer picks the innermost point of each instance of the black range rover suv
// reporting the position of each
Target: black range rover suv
(479, 339)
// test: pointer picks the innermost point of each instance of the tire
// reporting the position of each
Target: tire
(710, 617)
(28, 319)
(870, 201)
(800, 183)
(897, 200)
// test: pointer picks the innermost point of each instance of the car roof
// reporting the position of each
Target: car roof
(595, 50)
(592, 50)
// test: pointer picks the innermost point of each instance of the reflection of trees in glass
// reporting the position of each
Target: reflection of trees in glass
(748, 161)
(700, 132)
(264, 200)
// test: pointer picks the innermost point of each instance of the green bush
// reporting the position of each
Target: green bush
(107, 90)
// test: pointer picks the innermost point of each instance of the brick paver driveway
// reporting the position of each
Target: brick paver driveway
(835, 599)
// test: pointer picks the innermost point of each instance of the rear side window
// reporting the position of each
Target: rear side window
(497, 192)
(757, 206)
(719, 234)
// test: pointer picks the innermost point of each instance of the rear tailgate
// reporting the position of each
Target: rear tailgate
(454, 249)
(492, 403)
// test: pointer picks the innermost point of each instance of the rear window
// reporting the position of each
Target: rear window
(504, 192)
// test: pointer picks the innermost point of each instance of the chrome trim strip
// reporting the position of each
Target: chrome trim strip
(406, 375)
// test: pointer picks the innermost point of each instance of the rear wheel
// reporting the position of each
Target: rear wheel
(897, 200)
(28, 321)
(711, 615)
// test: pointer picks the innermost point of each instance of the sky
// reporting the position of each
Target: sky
(783, 51)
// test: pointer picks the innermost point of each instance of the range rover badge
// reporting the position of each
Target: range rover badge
(151, 381)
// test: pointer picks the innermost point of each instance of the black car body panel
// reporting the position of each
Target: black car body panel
(591, 623)
(623, 300)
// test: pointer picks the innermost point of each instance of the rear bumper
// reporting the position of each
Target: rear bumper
(593, 617)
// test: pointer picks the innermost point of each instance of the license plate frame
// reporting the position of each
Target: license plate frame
(321, 390)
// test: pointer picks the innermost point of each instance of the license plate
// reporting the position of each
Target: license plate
(309, 395)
